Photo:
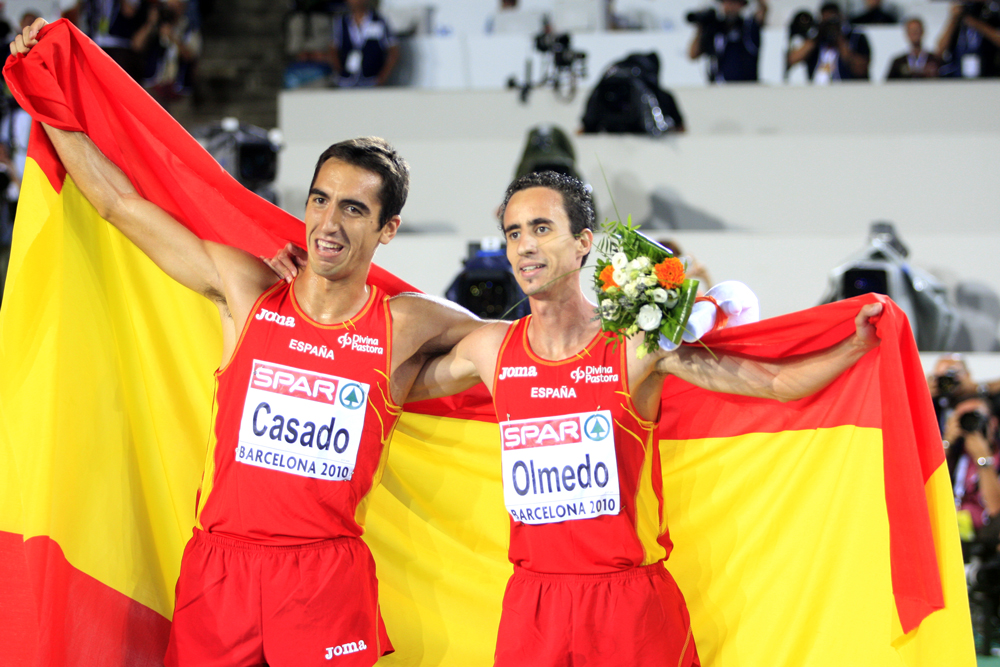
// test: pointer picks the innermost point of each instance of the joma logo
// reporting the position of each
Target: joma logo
(344, 649)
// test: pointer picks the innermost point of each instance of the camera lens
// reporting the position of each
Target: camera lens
(973, 422)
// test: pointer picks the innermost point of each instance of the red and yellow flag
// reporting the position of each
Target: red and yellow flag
(818, 532)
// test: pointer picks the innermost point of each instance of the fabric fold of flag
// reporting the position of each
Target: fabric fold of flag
(816, 532)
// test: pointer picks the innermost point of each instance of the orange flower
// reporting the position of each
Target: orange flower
(670, 273)
(607, 277)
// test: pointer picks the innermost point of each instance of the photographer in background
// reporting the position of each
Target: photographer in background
(951, 383)
(970, 42)
(730, 40)
(970, 440)
(833, 50)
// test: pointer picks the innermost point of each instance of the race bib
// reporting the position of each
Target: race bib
(301, 422)
(560, 468)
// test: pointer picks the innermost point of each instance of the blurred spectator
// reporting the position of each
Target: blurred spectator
(174, 55)
(875, 14)
(123, 28)
(969, 45)
(833, 50)
(364, 50)
(917, 63)
(730, 40)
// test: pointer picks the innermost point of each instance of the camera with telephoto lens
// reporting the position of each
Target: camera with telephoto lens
(973, 422)
(948, 382)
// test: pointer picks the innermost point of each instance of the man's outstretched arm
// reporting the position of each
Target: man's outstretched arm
(469, 362)
(786, 379)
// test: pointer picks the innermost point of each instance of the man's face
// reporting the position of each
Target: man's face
(341, 219)
(540, 246)
(357, 5)
(915, 33)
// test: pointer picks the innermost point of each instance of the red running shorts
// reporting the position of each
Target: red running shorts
(241, 604)
(632, 618)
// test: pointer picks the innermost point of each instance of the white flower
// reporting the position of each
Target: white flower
(609, 309)
(619, 276)
(649, 317)
(631, 290)
(619, 260)
(673, 296)
(659, 295)
(639, 263)
(649, 280)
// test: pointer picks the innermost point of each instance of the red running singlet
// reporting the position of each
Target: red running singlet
(581, 471)
(302, 422)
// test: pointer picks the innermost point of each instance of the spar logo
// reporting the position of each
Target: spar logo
(352, 396)
(543, 432)
(293, 382)
(518, 372)
(271, 316)
(597, 427)
(594, 374)
(360, 343)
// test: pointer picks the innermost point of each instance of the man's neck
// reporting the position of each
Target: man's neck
(562, 327)
(330, 301)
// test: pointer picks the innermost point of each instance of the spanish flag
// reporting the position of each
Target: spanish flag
(817, 532)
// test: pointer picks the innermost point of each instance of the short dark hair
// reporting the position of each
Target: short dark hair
(830, 7)
(577, 199)
(377, 156)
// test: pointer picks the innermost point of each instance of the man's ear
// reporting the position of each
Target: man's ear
(388, 232)
(585, 240)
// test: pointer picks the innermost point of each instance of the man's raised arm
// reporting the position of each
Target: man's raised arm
(176, 250)
(785, 380)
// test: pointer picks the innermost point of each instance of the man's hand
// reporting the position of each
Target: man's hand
(28, 38)
(287, 261)
(865, 327)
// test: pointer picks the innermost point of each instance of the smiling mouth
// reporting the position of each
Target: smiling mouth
(528, 268)
(326, 247)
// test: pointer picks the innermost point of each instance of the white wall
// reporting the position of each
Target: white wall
(798, 173)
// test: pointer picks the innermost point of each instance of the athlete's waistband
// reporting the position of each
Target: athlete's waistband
(236, 543)
(653, 570)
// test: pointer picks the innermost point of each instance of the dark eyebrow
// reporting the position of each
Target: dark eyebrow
(357, 204)
(344, 202)
(531, 223)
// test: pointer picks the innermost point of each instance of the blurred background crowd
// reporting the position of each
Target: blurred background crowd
(814, 151)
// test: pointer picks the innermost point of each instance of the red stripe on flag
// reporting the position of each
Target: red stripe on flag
(54, 614)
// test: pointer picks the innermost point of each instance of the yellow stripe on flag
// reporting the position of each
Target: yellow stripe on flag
(933, 643)
(109, 462)
(782, 550)
(439, 532)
